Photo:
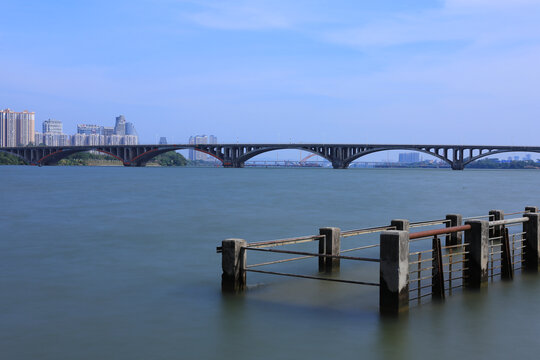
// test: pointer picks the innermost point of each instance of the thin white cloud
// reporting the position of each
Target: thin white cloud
(240, 15)
(488, 4)
(469, 21)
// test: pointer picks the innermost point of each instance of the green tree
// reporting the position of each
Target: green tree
(171, 158)
(9, 159)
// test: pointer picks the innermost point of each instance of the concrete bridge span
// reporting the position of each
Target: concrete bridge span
(235, 155)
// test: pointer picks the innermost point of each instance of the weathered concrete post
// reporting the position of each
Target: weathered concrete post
(507, 268)
(498, 230)
(437, 280)
(394, 272)
(477, 239)
(401, 224)
(233, 263)
(532, 209)
(329, 245)
(532, 241)
(456, 237)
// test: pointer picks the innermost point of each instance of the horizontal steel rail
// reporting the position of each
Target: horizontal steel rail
(313, 254)
(478, 217)
(372, 230)
(420, 261)
(313, 277)
(360, 248)
(509, 221)
(428, 223)
(419, 297)
(518, 212)
(420, 252)
(420, 288)
(454, 246)
(280, 261)
(287, 241)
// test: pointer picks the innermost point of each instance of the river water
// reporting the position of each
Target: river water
(120, 263)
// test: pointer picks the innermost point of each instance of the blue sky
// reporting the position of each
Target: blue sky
(455, 71)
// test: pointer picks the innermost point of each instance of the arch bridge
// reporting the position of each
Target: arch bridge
(235, 155)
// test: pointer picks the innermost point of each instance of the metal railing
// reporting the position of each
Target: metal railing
(443, 262)
(436, 270)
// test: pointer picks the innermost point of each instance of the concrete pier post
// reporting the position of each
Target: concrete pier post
(532, 209)
(477, 239)
(532, 242)
(329, 245)
(496, 231)
(507, 268)
(233, 264)
(394, 272)
(401, 224)
(456, 237)
(437, 273)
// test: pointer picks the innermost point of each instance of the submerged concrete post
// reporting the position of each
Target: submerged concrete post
(476, 262)
(401, 224)
(233, 263)
(531, 209)
(456, 237)
(329, 245)
(496, 231)
(532, 242)
(394, 272)
(507, 268)
(437, 273)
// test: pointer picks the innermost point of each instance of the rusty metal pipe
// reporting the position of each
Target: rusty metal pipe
(428, 233)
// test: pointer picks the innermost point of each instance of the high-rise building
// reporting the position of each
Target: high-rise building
(52, 139)
(194, 154)
(17, 128)
(52, 126)
(409, 157)
(212, 139)
(120, 126)
(163, 140)
(130, 129)
(108, 130)
(52, 134)
(89, 129)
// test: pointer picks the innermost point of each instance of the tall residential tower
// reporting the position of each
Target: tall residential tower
(16, 128)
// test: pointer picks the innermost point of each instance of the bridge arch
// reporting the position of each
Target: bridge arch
(146, 156)
(56, 156)
(251, 154)
(493, 152)
(349, 160)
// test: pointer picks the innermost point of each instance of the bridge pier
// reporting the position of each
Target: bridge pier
(233, 164)
(457, 166)
(339, 165)
(136, 164)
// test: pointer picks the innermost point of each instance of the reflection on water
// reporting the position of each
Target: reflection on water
(121, 263)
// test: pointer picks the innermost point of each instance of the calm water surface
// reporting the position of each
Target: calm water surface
(120, 263)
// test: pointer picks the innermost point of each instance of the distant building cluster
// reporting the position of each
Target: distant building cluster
(16, 128)
(200, 139)
(123, 133)
(408, 158)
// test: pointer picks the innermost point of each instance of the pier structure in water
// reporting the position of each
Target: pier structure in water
(413, 265)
